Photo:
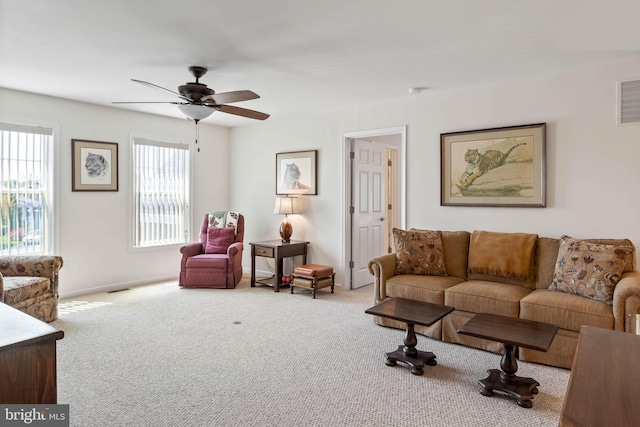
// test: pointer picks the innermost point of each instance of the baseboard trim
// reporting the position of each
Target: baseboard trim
(117, 286)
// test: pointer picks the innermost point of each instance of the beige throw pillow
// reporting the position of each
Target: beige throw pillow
(419, 252)
(588, 269)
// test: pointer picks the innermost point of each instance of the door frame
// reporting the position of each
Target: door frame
(347, 179)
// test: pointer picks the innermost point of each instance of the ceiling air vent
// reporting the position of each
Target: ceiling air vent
(629, 102)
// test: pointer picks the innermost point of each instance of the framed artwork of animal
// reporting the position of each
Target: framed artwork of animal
(494, 167)
(94, 165)
(296, 173)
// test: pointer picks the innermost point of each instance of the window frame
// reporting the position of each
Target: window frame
(132, 199)
(51, 210)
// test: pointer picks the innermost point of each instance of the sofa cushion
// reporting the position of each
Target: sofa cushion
(504, 255)
(421, 288)
(456, 247)
(219, 240)
(547, 254)
(545, 261)
(589, 269)
(478, 296)
(567, 311)
(22, 288)
(419, 252)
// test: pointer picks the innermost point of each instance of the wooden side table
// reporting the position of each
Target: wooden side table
(27, 359)
(412, 313)
(278, 250)
(604, 381)
(512, 333)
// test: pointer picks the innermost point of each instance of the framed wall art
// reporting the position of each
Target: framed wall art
(494, 167)
(94, 165)
(296, 173)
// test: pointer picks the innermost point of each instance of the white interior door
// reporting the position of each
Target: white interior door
(368, 208)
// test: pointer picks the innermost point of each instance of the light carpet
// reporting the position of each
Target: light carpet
(158, 355)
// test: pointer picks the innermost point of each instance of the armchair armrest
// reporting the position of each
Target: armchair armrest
(33, 265)
(234, 249)
(382, 268)
(191, 249)
(626, 298)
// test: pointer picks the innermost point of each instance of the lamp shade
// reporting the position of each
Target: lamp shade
(286, 206)
(196, 112)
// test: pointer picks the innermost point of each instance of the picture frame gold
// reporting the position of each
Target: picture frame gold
(296, 173)
(503, 167)
(94, 165)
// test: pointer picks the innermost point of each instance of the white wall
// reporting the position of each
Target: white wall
(92, 227)
(593, 170)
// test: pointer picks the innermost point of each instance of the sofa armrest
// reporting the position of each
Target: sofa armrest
(626, 298)
(33, 265)
(382, 268)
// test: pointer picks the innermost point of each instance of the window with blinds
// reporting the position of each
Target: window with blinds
(161, 193)
(629, 102)
(26, 183)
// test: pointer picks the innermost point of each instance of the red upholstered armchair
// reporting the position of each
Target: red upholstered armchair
(207, 264)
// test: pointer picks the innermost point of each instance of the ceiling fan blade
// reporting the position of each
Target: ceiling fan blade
(244, 112)
(147, 102)
(161, 88)
(228, 97)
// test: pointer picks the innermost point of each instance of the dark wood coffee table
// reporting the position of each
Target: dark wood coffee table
(512, 333)
(412, 313)
(604, 384)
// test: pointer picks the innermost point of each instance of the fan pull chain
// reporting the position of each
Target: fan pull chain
(197, 135)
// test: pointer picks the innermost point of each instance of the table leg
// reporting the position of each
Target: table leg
(505, 380)
(253, 266)
(409, 355)
(278, 272)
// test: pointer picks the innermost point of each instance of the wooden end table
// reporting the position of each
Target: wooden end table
(278, 250)
(28, 372)
(513, 333)
(603, 385)
(412, 313)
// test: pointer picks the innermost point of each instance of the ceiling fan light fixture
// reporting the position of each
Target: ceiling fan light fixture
(195, 112)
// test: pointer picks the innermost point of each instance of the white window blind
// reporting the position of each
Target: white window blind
(629, 102)
(161, 193)
(26, 182)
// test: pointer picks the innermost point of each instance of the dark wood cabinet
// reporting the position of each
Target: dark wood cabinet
(27, 358)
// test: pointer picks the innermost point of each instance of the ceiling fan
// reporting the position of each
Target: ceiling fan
(198, 102)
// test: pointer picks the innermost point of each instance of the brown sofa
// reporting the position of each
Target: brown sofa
(471, 292)
(30, 284)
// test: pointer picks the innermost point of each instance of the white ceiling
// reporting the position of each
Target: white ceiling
(299, 55)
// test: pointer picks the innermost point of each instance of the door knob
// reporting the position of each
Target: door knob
(382, 219)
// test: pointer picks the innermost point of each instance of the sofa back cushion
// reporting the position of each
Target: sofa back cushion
(547, 255)
(456, 247)
(503, 257)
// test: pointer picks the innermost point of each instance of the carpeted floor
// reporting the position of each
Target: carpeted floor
(159, 355)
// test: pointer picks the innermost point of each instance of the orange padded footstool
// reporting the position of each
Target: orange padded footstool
(313, 276)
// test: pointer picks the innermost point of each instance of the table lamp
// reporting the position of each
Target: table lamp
(286, 205)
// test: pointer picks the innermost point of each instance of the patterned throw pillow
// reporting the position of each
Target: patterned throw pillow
(219, 240)
(419, 252)
(588, 269)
